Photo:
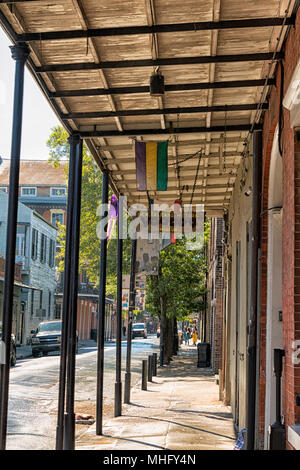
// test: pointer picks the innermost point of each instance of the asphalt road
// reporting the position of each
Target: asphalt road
(34, 390)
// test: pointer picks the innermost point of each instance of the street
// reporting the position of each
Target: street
(34, 390)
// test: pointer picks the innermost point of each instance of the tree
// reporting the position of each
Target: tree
(89, 250)
(179, 288)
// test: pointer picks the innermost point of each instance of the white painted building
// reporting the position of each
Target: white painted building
(35, 249)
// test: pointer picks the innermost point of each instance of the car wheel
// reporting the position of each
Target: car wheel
(35, 353)
(45, 353)
(13, 359)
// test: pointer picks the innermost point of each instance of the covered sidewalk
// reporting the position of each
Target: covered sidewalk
(179, 410)
(196, 77)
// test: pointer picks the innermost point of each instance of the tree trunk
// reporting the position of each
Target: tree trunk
(163, 331)
(169, 345)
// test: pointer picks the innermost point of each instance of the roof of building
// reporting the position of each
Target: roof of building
(4, 197)
(35, 172)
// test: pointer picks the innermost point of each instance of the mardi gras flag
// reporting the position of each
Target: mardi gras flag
(151, 160)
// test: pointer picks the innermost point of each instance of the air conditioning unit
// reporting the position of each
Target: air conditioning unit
(40, 312)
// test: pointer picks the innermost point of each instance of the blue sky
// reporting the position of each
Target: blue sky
(38, 117)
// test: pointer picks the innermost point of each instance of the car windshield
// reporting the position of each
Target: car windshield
(138, 326)
(56, 326)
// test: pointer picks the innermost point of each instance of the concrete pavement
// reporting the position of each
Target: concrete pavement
(179, 411)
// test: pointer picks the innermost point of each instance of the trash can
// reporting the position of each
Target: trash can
(203, 355)
(94, 334)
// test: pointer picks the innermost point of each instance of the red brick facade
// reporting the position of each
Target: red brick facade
(291, 238)
(289, 143)
(216, 286)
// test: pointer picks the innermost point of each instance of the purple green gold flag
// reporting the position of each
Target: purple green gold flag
(151, 165)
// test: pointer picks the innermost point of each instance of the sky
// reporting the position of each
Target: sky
(38, 117)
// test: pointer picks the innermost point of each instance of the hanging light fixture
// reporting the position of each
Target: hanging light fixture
(157, 84)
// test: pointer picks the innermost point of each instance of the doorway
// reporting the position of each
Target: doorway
(237, 327)
(274, 282)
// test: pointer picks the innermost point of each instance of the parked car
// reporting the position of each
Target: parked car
(13, 348)
(139, 330)
(158, 332)
(47, 338)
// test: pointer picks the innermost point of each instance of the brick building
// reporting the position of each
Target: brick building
(214, 318)
(278, 291)
(42, 187)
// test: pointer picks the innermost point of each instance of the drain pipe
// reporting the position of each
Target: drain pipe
(252, 332)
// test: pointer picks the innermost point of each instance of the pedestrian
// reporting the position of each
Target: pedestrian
(124, 330)
(195, 337)
(185, 335)
(188, 336)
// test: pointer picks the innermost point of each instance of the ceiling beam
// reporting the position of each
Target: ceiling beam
(177, 110)
(174, 131)
(193, 168)
(125, 160)
(154, 29)
(180, 143)
(132, 187)
(128, 90)
(117, 64)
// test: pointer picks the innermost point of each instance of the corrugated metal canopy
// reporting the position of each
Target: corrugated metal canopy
(94, 59)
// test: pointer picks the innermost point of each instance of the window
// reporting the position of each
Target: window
(51, 253)
(28, 191)
(43, 256)
(58, 192)
(20, 244)
(58, 310)
(3, 189)
(57, 217)
(34, 243)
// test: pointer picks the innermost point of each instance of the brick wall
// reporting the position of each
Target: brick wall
(216, 288)
(291, 237)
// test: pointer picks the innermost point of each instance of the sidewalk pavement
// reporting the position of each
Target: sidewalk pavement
(179, 411)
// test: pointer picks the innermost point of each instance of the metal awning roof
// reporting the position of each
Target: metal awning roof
(93, 61)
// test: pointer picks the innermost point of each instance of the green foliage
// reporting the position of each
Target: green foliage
(180, 285)
(89, 252)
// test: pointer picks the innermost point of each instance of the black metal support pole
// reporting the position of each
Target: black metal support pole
(101, 317)
(154, 363)
(150, 368)
(252, 345)
(66, 301)
(144, 374)
(118, 384)
(129, 326)
(20, 54)
(69, 421)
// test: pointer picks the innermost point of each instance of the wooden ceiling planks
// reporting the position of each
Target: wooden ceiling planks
(51, 16)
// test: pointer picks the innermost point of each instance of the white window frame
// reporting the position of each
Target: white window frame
(28, 187)
(59, 189)
(57, 212)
